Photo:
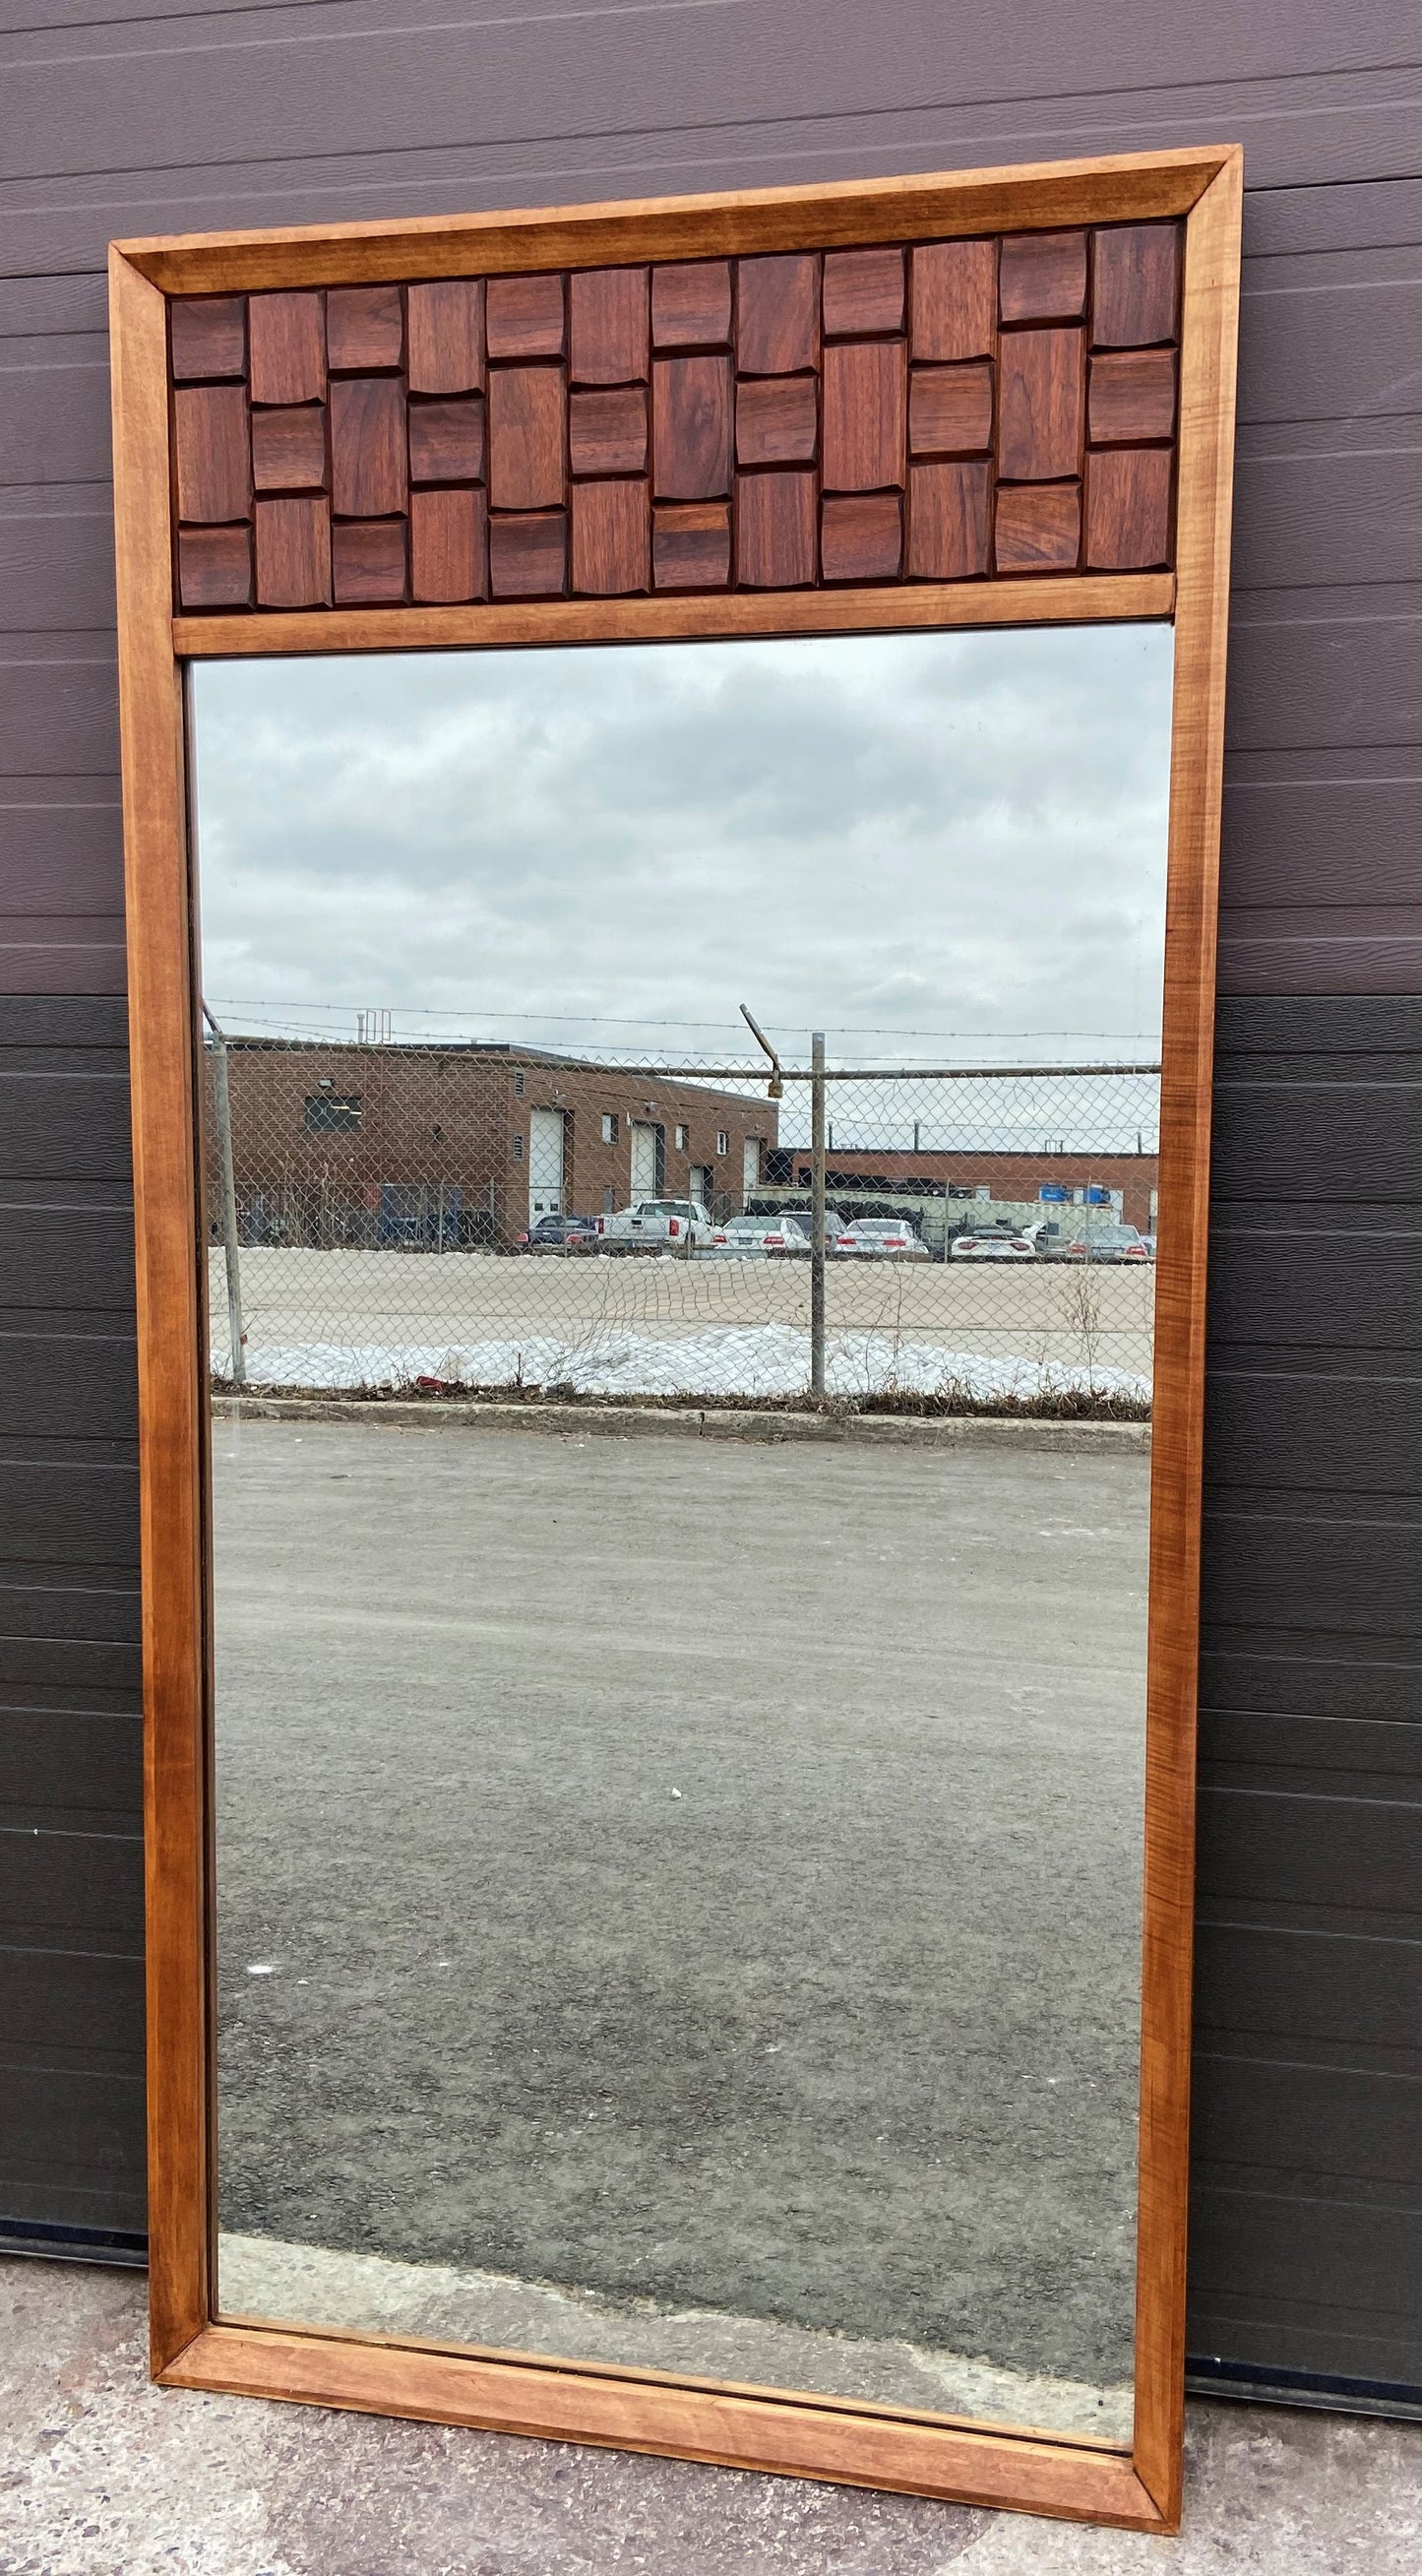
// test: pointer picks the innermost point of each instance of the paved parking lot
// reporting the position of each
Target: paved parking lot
(700, 1875)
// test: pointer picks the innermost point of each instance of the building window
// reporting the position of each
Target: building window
(609, 1126)
(723, 1142)
(326, 1110)
(518, 1149)
(682, 1137)
(518, 1084)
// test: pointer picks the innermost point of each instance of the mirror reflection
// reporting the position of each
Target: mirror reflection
(680, 1165)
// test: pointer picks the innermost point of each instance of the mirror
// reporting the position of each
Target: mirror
(680, 1136)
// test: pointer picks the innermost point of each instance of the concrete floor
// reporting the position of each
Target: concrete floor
(701, 1875)
(103, 2475)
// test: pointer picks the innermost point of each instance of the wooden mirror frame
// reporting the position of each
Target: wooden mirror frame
(798, 2435)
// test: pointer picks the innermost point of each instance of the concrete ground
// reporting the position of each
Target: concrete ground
(102, 2474)
(700, 1880)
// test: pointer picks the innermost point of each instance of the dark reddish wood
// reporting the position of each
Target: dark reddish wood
(691, 304)
(775, 530)
(210, 436)
(610, 325)
(287, 343)
(862, 537)
(365, 326)
(446, 337)
(369, 477)
(525, 317)
(1135, 284)
(691, 427)
(607, 432)
(215, 567)
(1038, 527)
(293, 554)
(778, 314)
(777, 418)
(949, 522)
(950, 410)
(611, 538)
(207, 336)
(448, 548)
(954, 301)
(1039, 404)
(1041, 277)
(528, 555)
(447, 440)
(864, 289)
(289, 449)
(691, 546)
(1128, 509)
(865, 402)
(1131, 397)
(368, 562)
(526, 437)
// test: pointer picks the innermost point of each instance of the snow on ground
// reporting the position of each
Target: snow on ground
(758, 1360)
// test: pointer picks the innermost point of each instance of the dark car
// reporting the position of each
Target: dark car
(561, 1234)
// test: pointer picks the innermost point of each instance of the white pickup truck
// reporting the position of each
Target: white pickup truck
(656, 1225)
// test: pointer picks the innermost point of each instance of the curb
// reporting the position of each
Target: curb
(1024, 1435)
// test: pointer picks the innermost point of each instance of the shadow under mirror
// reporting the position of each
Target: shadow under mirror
(680, 1139)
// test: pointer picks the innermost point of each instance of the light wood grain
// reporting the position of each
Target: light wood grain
(1045, 194)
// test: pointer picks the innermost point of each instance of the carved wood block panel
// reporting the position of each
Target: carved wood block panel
(919, 411)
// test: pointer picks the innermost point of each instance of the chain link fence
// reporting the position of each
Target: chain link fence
(794, 1228)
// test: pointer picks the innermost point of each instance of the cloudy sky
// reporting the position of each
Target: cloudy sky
(913, 842)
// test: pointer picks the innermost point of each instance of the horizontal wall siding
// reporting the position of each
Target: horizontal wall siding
(186, 119)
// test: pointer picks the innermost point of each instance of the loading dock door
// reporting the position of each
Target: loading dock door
(545, 1164)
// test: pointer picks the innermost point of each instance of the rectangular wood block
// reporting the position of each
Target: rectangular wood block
(368, 563)
(448, 548)
(950, 410)
(1042, 277)
(528, 556)
(954, 304)
(287, 339)
(1039, 404)
(775, 530)
(1135, 284)
(1131, 397)
(611, 538)
(691, 304)
(691, 428)
(1038, 528)
(369, 475)
(861, 537)
(864, 289)
(777, 313)
(207, 335)
(950, 519)
(293, 554)
(447, 440)
(446, 336)
(607, 432)
(215, 567)
(524, 317)
(691, 545)
(289, 449)
(865, 400)
(364, 326)
(777, 420)
(526, 441)
(210, 434)
(610, 323)
(1128, 509)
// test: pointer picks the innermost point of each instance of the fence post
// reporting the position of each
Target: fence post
(223, 1104)
(817, 1212)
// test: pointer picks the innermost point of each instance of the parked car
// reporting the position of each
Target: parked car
(799, 1225)
(656, 1225)
(1106, 1243)
(759, 1236)
(560, 1234)
(881, 1238)
(994, 1243)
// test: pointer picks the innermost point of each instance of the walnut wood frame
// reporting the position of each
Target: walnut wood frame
(798, 2435)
